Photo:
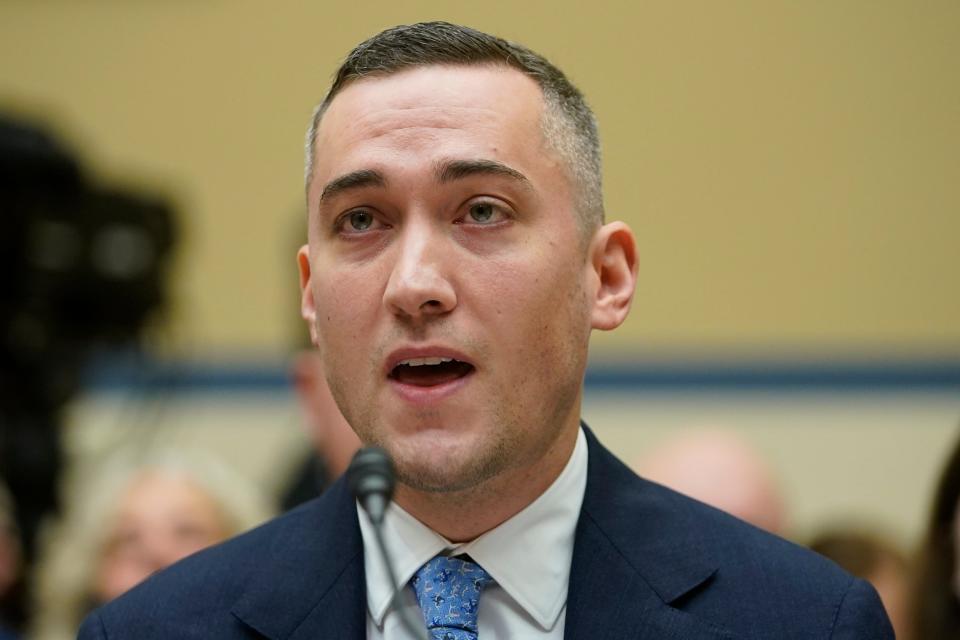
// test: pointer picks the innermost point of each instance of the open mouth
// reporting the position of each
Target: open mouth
(430, 371)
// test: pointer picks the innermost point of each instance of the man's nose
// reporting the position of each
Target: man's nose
(420, 284)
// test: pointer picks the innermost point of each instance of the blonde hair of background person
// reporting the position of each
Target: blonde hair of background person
(73, 549)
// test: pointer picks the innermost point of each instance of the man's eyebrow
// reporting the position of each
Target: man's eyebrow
(353, 180)
(457, 169)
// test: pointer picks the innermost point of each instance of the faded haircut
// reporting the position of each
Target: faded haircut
(568, 125)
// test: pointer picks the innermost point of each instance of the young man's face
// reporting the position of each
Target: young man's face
(445, 280)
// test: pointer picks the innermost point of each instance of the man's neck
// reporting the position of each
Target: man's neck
(462, 516)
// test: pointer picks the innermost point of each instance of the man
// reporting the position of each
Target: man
(457, 263)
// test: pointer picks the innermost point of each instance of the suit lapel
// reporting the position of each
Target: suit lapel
(336, 614)
(311, 581)
(633, 556)
(609, 600)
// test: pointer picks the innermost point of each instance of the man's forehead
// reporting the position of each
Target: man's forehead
(423, 103)
(470, 87)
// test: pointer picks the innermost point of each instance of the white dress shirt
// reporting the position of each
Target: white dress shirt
(528, 556)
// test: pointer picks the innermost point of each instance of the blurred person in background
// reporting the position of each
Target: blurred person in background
(723, 470)
(331, 437)
(876, 559)
(10, 564)
(134, 518)
(935, 599)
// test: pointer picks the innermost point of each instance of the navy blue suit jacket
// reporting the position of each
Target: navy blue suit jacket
(648, 563)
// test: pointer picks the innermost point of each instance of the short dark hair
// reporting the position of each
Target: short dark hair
(569, 126)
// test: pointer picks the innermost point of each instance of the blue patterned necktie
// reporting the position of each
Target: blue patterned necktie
(448, 590)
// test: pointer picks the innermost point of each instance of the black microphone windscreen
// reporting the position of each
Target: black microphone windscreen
(371, 472)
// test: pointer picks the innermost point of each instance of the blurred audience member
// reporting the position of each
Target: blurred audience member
(721, 469)
(875, 559)
(129, 521)
(935, 601)
(10, 563)
(333, 440)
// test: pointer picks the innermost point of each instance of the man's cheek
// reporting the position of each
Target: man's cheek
(342, 304)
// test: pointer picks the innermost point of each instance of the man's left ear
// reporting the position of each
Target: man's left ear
(613, 265)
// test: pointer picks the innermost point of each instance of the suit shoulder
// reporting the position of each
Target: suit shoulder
(648, 521)
(739, 547)
(773, 583)
(723, 572)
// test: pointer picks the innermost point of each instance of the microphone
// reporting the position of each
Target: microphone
(371, 479)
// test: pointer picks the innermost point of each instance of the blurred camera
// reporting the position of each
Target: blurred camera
(84, 264)
(83, 267)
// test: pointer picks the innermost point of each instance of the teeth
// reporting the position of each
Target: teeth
(419, 362)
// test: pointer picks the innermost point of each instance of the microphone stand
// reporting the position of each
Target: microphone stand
(372, 480)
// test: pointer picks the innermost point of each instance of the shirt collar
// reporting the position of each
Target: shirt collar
(529, 555)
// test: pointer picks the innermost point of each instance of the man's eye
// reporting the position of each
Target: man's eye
(360, 220)
(483, 212)
(357, 221)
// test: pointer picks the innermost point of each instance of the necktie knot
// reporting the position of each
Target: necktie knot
(448, 590)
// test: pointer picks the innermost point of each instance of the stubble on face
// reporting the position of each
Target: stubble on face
(449, 466)
(519, 433)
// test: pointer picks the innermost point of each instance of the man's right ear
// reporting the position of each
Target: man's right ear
(308, 310)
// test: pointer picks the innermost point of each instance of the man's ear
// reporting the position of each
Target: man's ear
(308, 310)
(613, 261)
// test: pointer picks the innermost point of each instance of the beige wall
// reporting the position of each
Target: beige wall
(790, 167)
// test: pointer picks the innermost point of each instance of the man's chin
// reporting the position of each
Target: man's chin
(439, 481)
(459, 470)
